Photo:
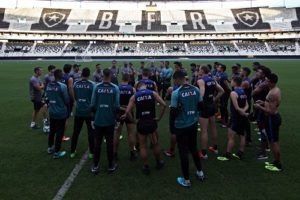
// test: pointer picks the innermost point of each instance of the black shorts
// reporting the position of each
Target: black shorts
(127, 120)
(238, 124)
(37, 105)
(208, 111)
(260, 115)
(146, 126)
(272, 125)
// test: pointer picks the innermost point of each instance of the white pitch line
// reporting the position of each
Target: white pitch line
(68, 182)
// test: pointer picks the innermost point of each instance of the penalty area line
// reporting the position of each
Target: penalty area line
(68, 182)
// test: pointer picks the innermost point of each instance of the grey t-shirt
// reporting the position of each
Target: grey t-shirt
(76, 75)
(97, 76)
(115, 72)
(48, 79)
(35, 94)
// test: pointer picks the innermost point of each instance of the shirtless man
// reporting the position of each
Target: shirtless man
(272, 120)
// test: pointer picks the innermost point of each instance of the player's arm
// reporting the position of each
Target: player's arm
(70, 88)
(220, 91)
(201, 85)
(65, 95)
(38, 86)
(270, 106)
(168, 93)
(129, 107)
(234, 97)
(155, 87)
(162, 105)
(259, 89)
(94, 101)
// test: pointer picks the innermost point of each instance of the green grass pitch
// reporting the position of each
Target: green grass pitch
(27, 172)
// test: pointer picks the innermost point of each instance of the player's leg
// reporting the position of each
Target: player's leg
(58, 139)
(78, 123)
(204, 137)
(91, 136)
(116, 139)
(131, 140)
(183, 149)
(156, 150)
(109, 136)
(273, 135)
(214, 134)
(192, 143)
(97, 150)
(53, 129)
(230, 144)
(36, 109)
(143, 152)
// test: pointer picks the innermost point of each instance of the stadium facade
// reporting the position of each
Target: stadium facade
(160, 28)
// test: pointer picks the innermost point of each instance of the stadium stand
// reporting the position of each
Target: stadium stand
(151, 48)
(252, 47)
(102, 48)
(51, 48)
(200, 48)
(224, 46)
(282, 46)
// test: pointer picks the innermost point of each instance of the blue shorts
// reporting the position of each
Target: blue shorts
(238, 124)
(272, 125)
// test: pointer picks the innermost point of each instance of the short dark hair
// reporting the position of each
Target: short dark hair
(146, 72)
(51, 67)
(238, 65)
(256, 64)
(106, 72)
(273, 78)
(265, 70)
(167, 62)
(140, 83)
(85, 72)
(237, 80)
(178, 63)
(205, 69)
(179, 75)
(216, 63)
(58, 75)
(67, 68)
(142, 62)
(223, 67)
(234, 67)
(98, 65)
(193, 65)
(125, 77)
(247, 70)
(36, 69)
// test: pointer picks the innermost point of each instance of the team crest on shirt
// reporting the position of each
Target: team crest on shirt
(248, 18)
(53, 18)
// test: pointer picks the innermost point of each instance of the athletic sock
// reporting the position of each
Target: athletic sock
(200, 173)
(32, 124)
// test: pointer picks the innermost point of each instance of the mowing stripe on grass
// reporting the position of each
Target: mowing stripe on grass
(68, 182)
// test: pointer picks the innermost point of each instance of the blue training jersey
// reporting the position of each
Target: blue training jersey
(105, 103)
(186, 99)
